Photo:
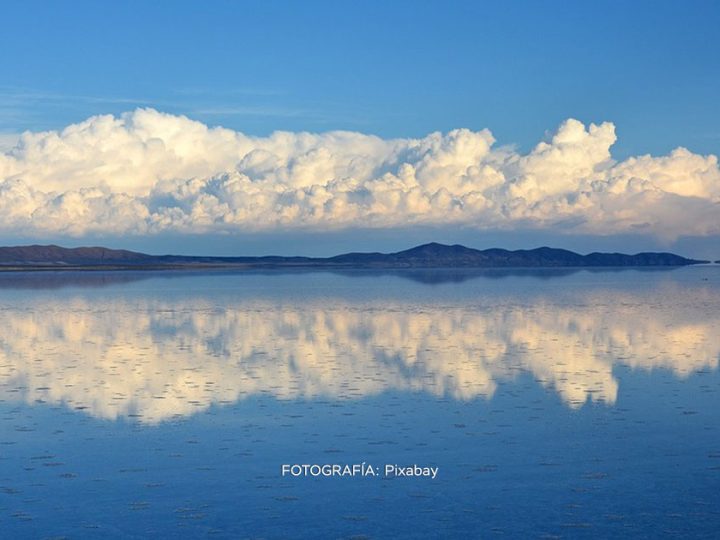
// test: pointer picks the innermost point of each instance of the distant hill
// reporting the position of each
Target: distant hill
(439, 255)
(431, 255)
(56, 255)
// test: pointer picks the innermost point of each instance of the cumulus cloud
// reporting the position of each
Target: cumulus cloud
(147, 172)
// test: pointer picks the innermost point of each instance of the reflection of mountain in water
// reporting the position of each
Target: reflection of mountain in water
(158, 359)
(436, 276)
(48, 279)
(52, 279)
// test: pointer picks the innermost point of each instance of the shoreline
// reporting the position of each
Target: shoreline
(328, 266)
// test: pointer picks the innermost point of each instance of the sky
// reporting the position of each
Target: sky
(322, 127)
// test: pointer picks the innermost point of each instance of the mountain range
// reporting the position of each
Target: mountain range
(432, 255)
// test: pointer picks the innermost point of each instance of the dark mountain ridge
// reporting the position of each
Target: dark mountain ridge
(60, 255)
(432, 255)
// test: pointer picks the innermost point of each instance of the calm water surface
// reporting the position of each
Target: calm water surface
(554, 403)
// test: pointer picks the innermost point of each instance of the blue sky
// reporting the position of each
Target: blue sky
(395, 69)
(391, 69)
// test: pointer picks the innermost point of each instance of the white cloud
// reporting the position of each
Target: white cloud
(147, 172)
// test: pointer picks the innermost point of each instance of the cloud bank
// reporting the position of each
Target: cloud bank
(147, 172)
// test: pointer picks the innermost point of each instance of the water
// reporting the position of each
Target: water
(553, 403)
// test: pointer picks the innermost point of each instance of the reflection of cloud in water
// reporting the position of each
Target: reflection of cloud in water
(157, 359)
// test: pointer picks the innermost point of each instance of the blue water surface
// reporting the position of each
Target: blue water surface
(570, 404)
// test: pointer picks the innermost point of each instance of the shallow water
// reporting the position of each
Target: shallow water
(553, 403)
